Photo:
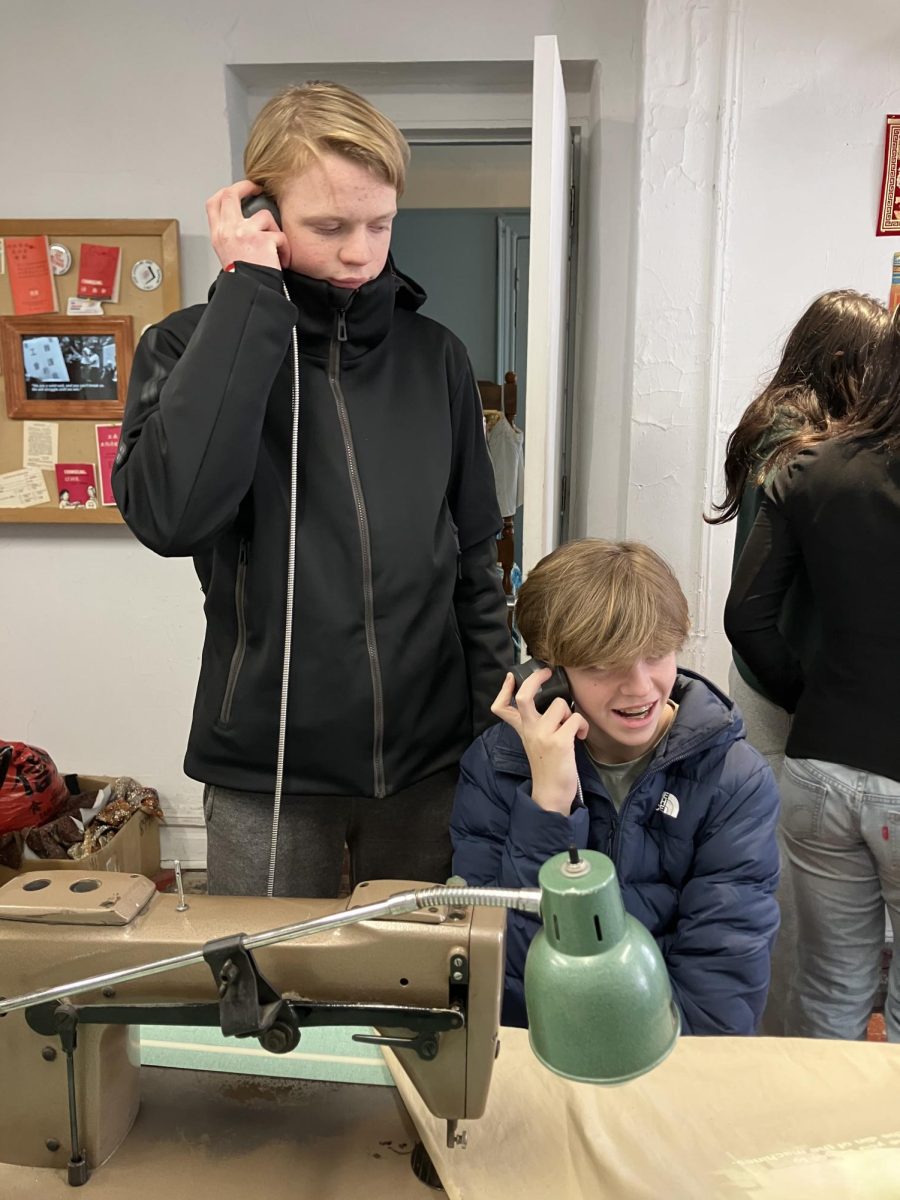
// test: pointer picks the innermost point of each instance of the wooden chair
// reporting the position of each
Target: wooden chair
(500, 396)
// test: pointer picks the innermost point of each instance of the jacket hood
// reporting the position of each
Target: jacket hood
(410, 294)
(706, 716)
(362, 318)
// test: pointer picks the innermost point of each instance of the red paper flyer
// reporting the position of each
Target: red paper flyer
(107, 446)
(77, 485)
(30, 278)
(99, 272)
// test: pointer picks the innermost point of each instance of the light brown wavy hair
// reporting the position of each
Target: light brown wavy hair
(596, 603)
(307, 120)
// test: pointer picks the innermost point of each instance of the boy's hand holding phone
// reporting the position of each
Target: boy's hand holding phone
(548, 738)
(236, 238)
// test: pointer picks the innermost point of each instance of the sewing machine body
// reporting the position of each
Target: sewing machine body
(54, 935)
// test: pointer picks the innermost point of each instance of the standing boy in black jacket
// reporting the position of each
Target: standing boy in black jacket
(310, 362)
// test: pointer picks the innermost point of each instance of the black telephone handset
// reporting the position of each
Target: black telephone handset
(556, 687)
(259, 203)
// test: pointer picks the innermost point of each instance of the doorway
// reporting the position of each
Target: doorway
(462, 233)
(476, 107)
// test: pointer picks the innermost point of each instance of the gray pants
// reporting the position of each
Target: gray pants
(768, 727)
(404, 836)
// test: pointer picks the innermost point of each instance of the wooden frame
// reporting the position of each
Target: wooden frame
(73, 335)
(155, 240)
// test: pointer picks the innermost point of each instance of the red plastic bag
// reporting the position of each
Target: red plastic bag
(31, 789)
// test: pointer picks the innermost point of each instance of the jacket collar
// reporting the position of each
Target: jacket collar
(363, 315)
(705, 714)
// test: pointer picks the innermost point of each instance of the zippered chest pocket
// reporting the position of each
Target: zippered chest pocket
(240, 644)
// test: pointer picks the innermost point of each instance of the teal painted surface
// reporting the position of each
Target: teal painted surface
(598, 993)
(324, 1054)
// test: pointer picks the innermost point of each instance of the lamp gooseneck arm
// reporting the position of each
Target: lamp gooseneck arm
(523, 899)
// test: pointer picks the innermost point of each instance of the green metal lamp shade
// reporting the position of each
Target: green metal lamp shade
(599, 1001)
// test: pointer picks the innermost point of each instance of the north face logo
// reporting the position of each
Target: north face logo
(668, 805)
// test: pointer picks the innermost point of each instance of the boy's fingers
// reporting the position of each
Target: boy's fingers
(283, 246)
(245, 187)
(557, 713)
(503, 706)
(236, 192)
(227, 200)
(577, 725)
(506, 692)
(525, 696)
(532, 685)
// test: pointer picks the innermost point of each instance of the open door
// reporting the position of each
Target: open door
(547, 304)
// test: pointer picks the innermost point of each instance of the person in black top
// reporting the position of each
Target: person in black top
(815, 385)
(834, 512)
(318, 448)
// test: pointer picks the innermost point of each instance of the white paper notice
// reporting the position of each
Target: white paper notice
(23, 489)
(78, 307)
(40, 446)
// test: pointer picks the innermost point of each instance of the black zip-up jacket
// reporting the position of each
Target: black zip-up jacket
(400, 639)
(833, 512)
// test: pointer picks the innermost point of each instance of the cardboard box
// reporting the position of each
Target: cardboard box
(134, 849)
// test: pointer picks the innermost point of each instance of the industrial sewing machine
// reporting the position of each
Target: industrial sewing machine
(85, 957)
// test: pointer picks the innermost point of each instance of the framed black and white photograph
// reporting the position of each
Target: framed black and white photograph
(59, 368)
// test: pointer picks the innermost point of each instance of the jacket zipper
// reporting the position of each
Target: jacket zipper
(612, 845)
(240, 646)
(334, 378)
(455, 529)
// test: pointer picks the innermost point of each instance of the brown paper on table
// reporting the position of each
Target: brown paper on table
(721, 1119)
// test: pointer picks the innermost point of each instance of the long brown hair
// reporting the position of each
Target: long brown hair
(876, 418)
(813, 394)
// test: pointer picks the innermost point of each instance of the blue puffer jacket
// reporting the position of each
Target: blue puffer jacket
(693, 845)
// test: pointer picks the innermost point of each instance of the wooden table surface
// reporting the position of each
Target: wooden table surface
(720, 1119)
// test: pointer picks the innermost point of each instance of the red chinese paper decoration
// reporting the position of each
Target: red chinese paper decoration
(889, 209)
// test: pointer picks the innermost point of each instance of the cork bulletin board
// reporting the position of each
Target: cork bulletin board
(149, 289)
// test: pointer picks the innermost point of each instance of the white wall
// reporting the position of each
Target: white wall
(760, 157)
(101, 639)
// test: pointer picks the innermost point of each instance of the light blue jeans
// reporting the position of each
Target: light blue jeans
(841, 831)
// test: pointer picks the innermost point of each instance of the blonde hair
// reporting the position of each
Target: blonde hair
(598, 603)
(304, 121)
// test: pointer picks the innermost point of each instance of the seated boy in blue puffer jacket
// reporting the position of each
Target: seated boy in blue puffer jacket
(649, 764)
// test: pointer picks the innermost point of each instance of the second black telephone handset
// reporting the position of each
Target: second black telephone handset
(557, 686)
(254, 204)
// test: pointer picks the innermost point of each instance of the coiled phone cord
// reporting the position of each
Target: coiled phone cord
(289, 608)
